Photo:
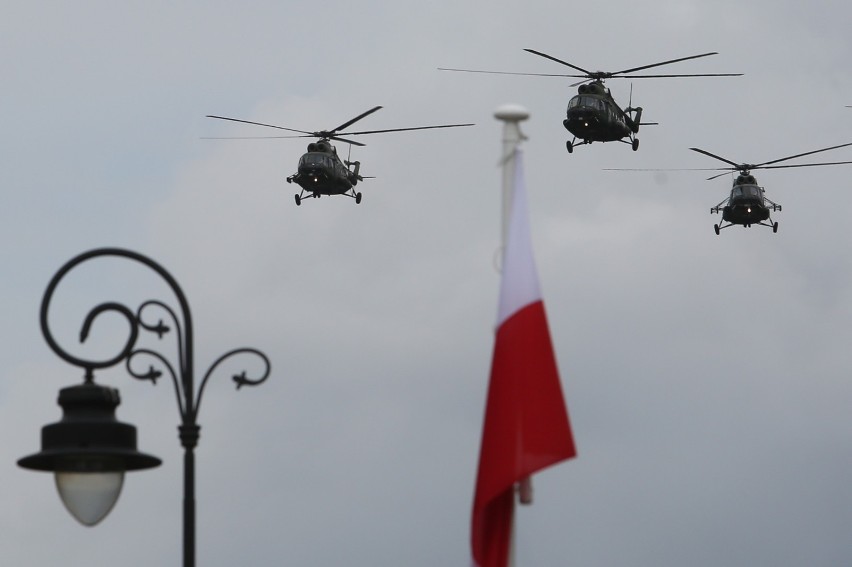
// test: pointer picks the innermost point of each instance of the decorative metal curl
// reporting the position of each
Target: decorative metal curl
(181, 373)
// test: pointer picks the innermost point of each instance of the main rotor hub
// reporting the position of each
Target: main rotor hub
(745, 178)
(323, 146)
(595, 87)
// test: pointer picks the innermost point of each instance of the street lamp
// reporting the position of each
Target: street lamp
(89, 450)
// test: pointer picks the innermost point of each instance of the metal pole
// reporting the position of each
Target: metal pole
(189, 439)
(511, 115)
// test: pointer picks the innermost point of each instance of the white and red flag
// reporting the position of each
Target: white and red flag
(526, 425)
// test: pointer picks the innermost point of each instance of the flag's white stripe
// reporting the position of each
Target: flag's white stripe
(519, 286)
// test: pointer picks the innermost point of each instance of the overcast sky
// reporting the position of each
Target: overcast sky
(707, 377)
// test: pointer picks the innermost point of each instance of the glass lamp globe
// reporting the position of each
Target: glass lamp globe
(89, 496)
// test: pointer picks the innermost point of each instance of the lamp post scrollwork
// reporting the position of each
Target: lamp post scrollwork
(89, 450)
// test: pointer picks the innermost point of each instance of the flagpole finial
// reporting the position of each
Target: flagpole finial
(511, 113)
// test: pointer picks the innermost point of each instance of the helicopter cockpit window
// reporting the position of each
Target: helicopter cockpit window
(314, 160)
(747, 191)
(752, 191)
(586, 101)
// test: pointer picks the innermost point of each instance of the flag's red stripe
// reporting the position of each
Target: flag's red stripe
(492, 531)
(526, 424)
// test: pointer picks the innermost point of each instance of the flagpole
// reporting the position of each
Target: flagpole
(512, 115)
(525, 427)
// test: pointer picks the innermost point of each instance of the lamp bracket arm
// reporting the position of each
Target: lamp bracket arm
(240, 379)
(160, 328)
(153, 374)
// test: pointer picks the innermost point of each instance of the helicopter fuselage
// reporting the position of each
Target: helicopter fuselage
(321, 172)
(594, 116)
(746, 205)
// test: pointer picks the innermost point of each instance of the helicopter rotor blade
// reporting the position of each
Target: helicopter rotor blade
(511, 73)
(620, 75)
(600, 75)
(313, 135)
(308, 135)
(665, 63)
(552, 58)
(339, 139)
(254, 137)
(761, 165)
(662, 169)
(353, 121)
(578, 83)
(805, 164)
(259, 124)
(404, 129)
(784, 167)
(726, 172)
(705, 152)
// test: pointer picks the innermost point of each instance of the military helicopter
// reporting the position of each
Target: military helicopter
(320, 170)
(593, 115)
(747, 203)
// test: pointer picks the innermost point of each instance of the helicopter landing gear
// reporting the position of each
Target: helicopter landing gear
(774, 227)
(301, 196)
(571, 144)
(716, 228)
(358, 201)
(635, 144)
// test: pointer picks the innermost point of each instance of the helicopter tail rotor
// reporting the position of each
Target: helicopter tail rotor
(637, 120)
(356, 171)
(635, 114)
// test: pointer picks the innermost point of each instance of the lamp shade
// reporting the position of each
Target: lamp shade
(89, 450)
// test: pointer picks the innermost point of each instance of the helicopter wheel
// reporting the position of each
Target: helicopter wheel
(775, 227)
(569, 146)
(357, 198)
(716, 228)
(298, 200)
(635, 144)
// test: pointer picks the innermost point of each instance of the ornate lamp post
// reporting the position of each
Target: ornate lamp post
(89, 450)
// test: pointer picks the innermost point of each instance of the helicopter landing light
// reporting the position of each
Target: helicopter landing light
(748, 210)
